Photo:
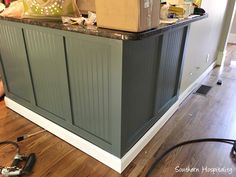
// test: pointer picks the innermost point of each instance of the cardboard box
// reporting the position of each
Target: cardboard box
(86, 5)
(128, 15)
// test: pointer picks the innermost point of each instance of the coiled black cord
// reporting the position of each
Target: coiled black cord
(228, 141)
(12, 143)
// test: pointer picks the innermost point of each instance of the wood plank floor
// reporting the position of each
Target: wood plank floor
(199, 116)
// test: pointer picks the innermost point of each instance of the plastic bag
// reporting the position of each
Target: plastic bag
(2, 7)
(50, 8)
(91, 20)
(16, 9)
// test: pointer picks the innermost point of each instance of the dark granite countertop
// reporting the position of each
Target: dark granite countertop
(102, 32)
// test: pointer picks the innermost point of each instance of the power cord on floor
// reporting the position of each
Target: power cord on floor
(233, 152)
(12, 143)
(16, 168)
(228, 141)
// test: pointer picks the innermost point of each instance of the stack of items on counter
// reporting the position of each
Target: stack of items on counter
(2, 7)
(125, 15)
(12, 9)
(51, 10)
(173, 10)
(41, 9)
(6, 3)
(87, 15)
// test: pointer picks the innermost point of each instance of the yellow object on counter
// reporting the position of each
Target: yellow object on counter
(175, 2)
(176, 10)
(198, 2)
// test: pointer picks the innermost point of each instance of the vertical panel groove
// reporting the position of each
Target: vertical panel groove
(30, 72)
(14, 60)
(47, 60)
(89, 74)
(68, 78)
(170, 66)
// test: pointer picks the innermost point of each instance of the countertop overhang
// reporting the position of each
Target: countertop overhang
(102, 32)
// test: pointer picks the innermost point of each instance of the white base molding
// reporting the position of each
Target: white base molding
(106, 158)
(196, 83)
(233, 63)
(78, 142)
(232, 38)
(133, 152)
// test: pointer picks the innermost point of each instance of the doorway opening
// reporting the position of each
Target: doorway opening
(231, 55)
(231, 45)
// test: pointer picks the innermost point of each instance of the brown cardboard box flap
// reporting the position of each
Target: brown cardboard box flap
(86, 5)
(128, 15)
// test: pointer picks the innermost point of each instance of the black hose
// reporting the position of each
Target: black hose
(228, 141)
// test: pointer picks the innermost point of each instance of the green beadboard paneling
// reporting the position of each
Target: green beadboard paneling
(151, 76)
(89, 73)
(48, 67)
(107, 91)
(169, 71)
(14, 61)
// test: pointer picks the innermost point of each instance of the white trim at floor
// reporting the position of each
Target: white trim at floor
(196, 83)
(106, 158)
(233, 63)
(232, 38)
(80, 143)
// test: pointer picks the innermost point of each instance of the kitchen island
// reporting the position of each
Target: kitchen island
(104, 91)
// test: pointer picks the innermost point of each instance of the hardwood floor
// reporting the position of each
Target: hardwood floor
(199, 116)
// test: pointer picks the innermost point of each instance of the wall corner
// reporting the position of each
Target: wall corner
(221, 55)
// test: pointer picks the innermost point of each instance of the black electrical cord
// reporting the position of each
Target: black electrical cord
(12, 143)
(228, 141)
(233, 152)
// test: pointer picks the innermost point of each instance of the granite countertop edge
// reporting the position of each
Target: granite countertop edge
(102, 32)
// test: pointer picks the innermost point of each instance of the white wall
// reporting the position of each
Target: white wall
(233, 29)
(232, 36)
(204, 38)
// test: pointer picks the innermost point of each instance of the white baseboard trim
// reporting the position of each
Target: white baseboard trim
(106, 158)
(148, 136)
(80, 143)
(232, 38)
(196, 83)
(233, 63)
